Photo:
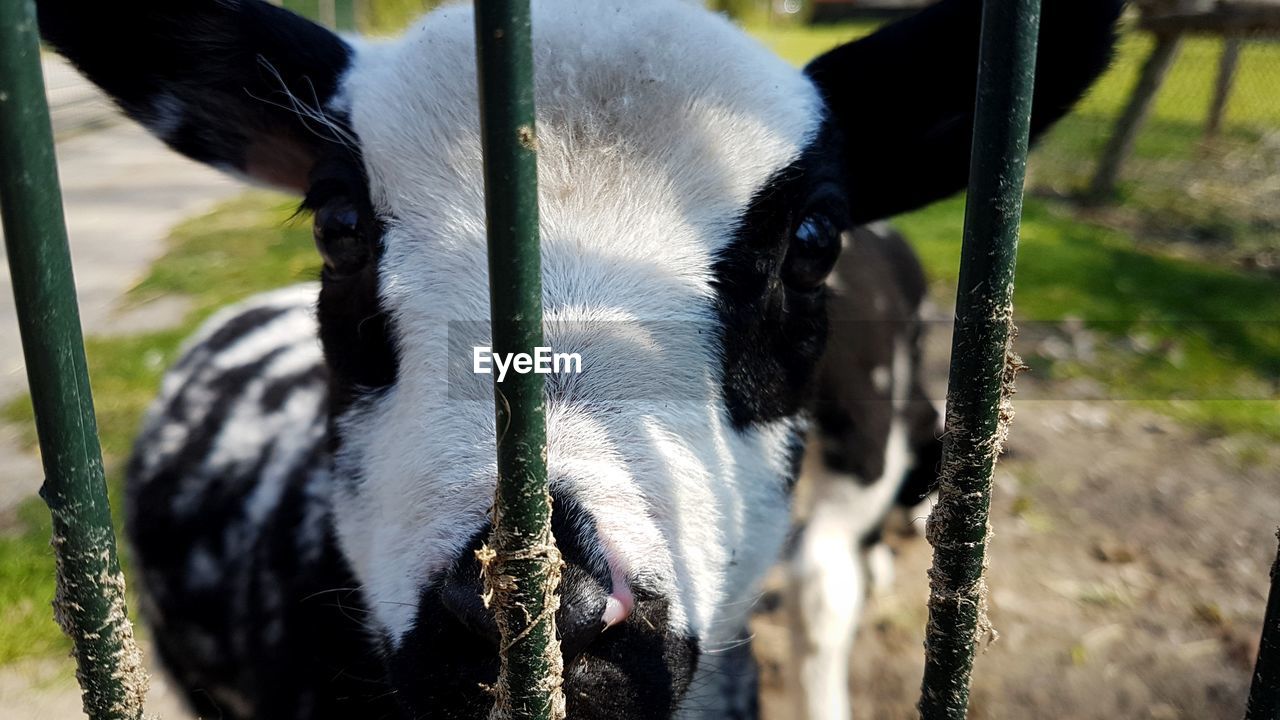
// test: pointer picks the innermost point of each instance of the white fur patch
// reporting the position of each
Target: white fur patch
(657, 123)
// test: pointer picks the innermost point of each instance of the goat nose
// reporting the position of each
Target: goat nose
(592, 598)
(587, 607)
(580, 619)
(462, 594)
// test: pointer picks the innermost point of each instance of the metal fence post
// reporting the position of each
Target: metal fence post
(522, 565)
(982, 360)
(1264, 696)
(90, 603)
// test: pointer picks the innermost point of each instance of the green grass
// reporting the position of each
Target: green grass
(799, 44)
(387, 17)
(1183, 99)
(246, 246)
(1209, 349)
(1185, 95)
(1179, 186)
(26, 586)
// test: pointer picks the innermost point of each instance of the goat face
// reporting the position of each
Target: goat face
(693, 190)
(668, 195)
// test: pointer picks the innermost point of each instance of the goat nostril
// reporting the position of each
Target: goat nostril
(464, 601)
(577, 637)
(588, 607)
(620, 602)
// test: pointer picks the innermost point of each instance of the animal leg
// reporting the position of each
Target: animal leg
(828, 588)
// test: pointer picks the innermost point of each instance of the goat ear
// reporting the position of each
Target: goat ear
(903, 97)
(238, 84)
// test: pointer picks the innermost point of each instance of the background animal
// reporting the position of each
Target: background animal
(304, 514)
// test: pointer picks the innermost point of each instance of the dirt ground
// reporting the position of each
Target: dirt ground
(1128, 574)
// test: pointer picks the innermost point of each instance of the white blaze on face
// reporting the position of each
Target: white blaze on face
(657, 123)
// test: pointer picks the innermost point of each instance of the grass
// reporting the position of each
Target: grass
(1222, 323)
(1184, 97)
(1199, 341)
(1179, 186)
(798, 44)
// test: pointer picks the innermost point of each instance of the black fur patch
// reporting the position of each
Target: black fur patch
(904, 96)
(875, 314)
(638, 670)
(255, 616)
(355, 331)
(773, 335)
(215, 79)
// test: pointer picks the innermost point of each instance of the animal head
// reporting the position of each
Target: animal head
(693, 193)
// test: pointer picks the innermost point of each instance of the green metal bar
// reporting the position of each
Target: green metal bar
(1264, 697)
(89, 604)
(982, 360)
(522, 565)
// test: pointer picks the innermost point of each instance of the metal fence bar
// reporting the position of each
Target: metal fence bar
(1264, 696)
(982, 361)
(522, 565)
(89, 604)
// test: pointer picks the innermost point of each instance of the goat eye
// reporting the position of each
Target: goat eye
(815, 245)
(338, 238)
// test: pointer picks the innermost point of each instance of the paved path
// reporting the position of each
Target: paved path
(45, 689)
(123, 192)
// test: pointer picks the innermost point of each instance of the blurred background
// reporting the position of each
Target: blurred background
(1134, 514)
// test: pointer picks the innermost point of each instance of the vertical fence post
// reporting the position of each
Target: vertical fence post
(982, 360)
(1227, 64)
(89, 604)
(1125, 134)
(1264, 696)
(521, 563)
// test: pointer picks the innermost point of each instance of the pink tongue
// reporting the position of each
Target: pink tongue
(620, 603)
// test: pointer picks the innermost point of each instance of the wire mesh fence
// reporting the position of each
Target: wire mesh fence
(1205, 165)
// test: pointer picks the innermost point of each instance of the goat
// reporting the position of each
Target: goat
(308, 492)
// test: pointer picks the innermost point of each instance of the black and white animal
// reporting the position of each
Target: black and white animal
(308, 492)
